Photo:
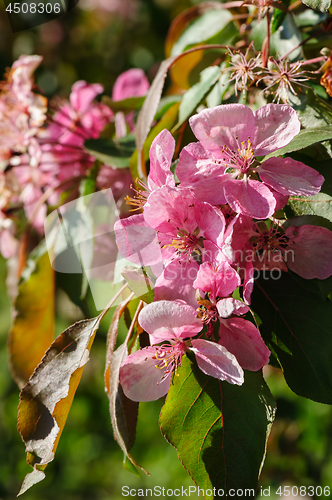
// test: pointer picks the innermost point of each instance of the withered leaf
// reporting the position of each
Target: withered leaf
(46, 399)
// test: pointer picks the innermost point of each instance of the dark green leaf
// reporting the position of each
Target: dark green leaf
(278, 17)
(219, 429)
(296, 325)
(115, 153)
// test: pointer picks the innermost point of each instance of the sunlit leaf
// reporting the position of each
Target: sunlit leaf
(33, 319)
(320, 5)
(194, 96)
(168, 121)
(123, 411)
(305, 138)
(219, 429)
(183, 20)
(319, 204)
(139, 283)
(296, 325)
(202, 29)
(46, 399)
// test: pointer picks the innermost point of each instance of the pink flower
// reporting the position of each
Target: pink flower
(22, 111)
(146, 374)
(131, 83)
(224, 162)
(305, 250)
(239, 336)
(309, 251)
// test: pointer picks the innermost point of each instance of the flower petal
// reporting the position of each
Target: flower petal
(225, 125)
(242, 339)
(288, 177)
(161, 154)
(275, 126)
(229, 306)
(176, 282)
(218, 282)
(136, 241)
(251, 198)
(309, 252)
(140, 379)
(169, 319)
(214, 360)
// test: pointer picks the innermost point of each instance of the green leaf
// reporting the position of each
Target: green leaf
(286, 38)
(219, 429)
(305, 138)
(168, 121)
(125, 105)
(312, 110)
(278, 17)
(33, 319)
(202, 29)
(320, 5)
(196, 93)
(139, 283)
(115, 153)
(320, 204)
(296, 325)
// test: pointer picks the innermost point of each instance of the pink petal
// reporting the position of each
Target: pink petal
(214, 360)
(161, 154)
(169, 319)
(248, 282)
(8, 244)
(281, 199)
(229, 306)
(131, 83)
(210, 221)
(242, 339)
(176, 282)
(140, 379)
(309, 252)
(225, 125)
(290, 177)
(168, 208)
(82, 95)
(250, 198)
(275, 126)
(136, 241)
(219, 282)
(210, 190)
(203, 173)
(196, 164)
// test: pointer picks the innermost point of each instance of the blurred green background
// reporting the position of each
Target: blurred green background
(96, 41)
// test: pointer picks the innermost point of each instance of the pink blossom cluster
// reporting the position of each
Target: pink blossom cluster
(205, 237)
(42, 152)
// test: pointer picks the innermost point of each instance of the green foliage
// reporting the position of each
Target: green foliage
(115, 153)
(296, 325)
(219, 430)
